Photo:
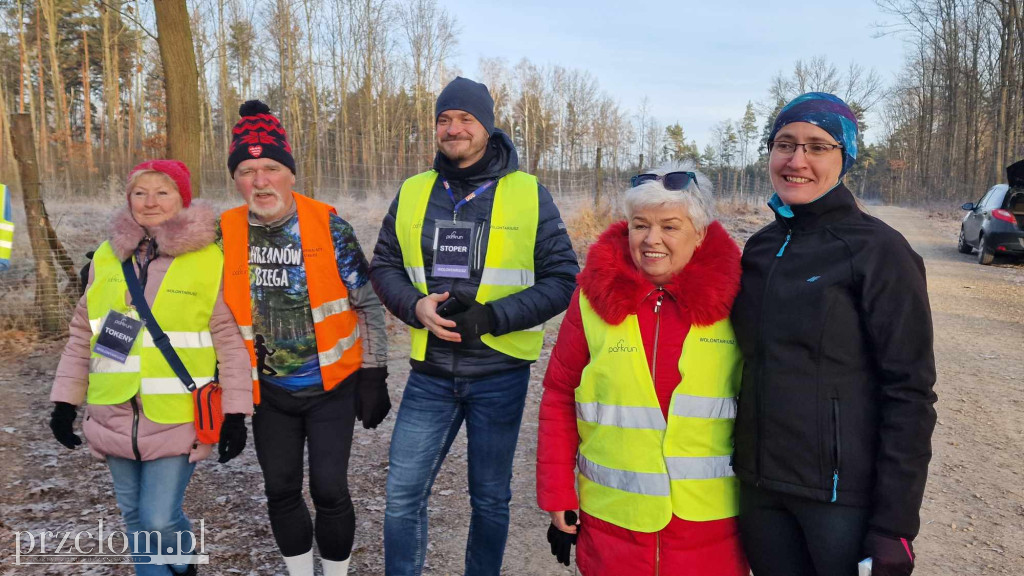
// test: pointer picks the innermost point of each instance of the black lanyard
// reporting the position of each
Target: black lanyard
(467, 199)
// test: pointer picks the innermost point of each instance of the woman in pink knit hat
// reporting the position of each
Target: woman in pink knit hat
(139, 415)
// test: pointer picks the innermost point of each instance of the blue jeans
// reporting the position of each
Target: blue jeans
(150, 494)
(429, 418)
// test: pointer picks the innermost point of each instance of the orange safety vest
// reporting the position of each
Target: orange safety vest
(338, 345)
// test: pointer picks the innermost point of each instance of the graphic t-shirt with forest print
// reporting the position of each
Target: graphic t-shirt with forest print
(283, 324)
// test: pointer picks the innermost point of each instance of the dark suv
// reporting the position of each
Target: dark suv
(995, 224)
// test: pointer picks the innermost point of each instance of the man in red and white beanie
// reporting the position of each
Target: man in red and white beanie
(258, 134)
(298, 285)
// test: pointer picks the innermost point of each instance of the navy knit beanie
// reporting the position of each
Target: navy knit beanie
(468, 96)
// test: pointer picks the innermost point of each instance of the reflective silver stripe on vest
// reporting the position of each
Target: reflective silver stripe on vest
(103, 365)
(703, 407)
(247, 332)
(255, 374)
(6, 244)
(178, 339)
(7, 226)
(620, 416)
(169, 385)
(506, 277)
(182, 339)
(646, 483)
(334, 354)
(698, 468)
(329, 309)
(416, 274)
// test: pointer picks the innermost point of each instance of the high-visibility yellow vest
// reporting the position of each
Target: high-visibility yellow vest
(635, 469)
(183, 307)
(335, 324)
(6, 228)
(508, 265)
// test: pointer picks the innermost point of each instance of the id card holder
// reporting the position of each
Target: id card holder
(453, 248)
(118, 333)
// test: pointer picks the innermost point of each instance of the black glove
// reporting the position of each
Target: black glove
(478, 319)
(232, 437)
(561, 542)
(890, 556)
(61, 420)
(372, 400)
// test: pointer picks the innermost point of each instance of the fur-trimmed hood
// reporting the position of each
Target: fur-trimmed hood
(706, 286)
(193, 228)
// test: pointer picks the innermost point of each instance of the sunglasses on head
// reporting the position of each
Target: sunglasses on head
(671, 180)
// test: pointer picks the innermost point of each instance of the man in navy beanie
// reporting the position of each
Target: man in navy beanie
(474, 257)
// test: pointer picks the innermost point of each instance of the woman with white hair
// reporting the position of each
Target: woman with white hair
(639, 397)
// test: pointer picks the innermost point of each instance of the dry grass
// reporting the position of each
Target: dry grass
(586, 222)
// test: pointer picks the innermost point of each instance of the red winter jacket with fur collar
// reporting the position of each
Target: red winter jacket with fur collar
(700, 294)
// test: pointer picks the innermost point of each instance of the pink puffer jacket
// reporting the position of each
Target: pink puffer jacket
(108, 429)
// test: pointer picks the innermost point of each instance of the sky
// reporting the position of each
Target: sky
(697, 63)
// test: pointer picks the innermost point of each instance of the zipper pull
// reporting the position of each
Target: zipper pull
(835, 483)
(657, 305)
(784, 244)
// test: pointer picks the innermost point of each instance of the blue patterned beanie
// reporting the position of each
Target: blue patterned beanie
(828, 112)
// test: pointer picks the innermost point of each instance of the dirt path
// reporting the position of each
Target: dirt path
(973, 512)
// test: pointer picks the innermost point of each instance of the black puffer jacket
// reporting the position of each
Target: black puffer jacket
(836, 335)
(555, 267)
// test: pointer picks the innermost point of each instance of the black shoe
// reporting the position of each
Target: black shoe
(192, 570)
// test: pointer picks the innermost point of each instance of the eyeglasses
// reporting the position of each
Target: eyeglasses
(671, 180)
(784, 148)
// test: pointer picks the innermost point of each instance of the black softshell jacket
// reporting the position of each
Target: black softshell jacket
(555, 269)
(836, 334)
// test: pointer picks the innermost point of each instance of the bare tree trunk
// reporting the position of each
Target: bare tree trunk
(6, 157)
(87, 105)
(22, 58)
(227, 103)
(111, 89)
(44, 133)
(181, 82)
(47, 299)
(61, 120)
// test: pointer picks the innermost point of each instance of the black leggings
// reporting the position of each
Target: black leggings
(281, 426)
(792, 536)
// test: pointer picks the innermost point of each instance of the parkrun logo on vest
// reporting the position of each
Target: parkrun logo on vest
(707, 340)
(621, 347)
